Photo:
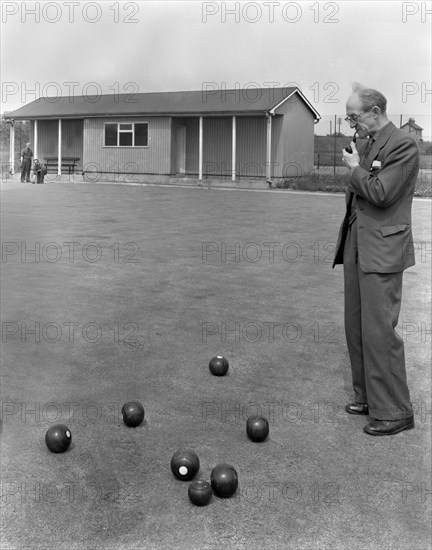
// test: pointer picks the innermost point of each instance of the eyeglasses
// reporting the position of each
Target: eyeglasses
(355, 116)
(352, 118)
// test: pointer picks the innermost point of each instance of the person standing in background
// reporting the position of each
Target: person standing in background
(26, 161)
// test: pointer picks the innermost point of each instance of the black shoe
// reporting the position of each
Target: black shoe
(357, 408)
(389, 427)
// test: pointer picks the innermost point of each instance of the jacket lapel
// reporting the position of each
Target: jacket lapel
(380, 141)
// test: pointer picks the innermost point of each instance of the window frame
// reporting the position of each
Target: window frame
(125, 131)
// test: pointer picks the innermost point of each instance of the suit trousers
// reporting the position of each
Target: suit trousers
(372, 306)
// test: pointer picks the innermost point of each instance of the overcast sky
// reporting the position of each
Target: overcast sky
(106, 47)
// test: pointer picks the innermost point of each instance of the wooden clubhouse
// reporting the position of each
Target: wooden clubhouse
(250, 133)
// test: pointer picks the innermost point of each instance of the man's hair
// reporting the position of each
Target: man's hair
(370, 97)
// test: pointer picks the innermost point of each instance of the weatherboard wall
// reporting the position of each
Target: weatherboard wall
(295, 146)
(153, 159)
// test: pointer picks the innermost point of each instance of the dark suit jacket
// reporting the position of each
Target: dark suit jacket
(384, 183)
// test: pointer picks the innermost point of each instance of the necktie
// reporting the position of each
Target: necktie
(367, 149)
(363, 159)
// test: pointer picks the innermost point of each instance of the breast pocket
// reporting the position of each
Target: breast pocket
(387, 230)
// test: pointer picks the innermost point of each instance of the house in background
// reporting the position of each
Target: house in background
(257, 132)
(413, 129)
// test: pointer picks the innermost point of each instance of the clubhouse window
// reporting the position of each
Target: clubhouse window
(126, 134)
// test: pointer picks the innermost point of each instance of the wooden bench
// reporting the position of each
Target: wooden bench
(67, 163)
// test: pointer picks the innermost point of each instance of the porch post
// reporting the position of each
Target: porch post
(59, 155)
(233, 164)
(200, 155)
(268, 155)
(12, 147)
(35, 140)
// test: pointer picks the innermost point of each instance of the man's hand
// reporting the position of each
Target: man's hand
(351, 160)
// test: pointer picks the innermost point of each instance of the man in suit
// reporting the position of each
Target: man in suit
(26, 159)
(375, 246)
